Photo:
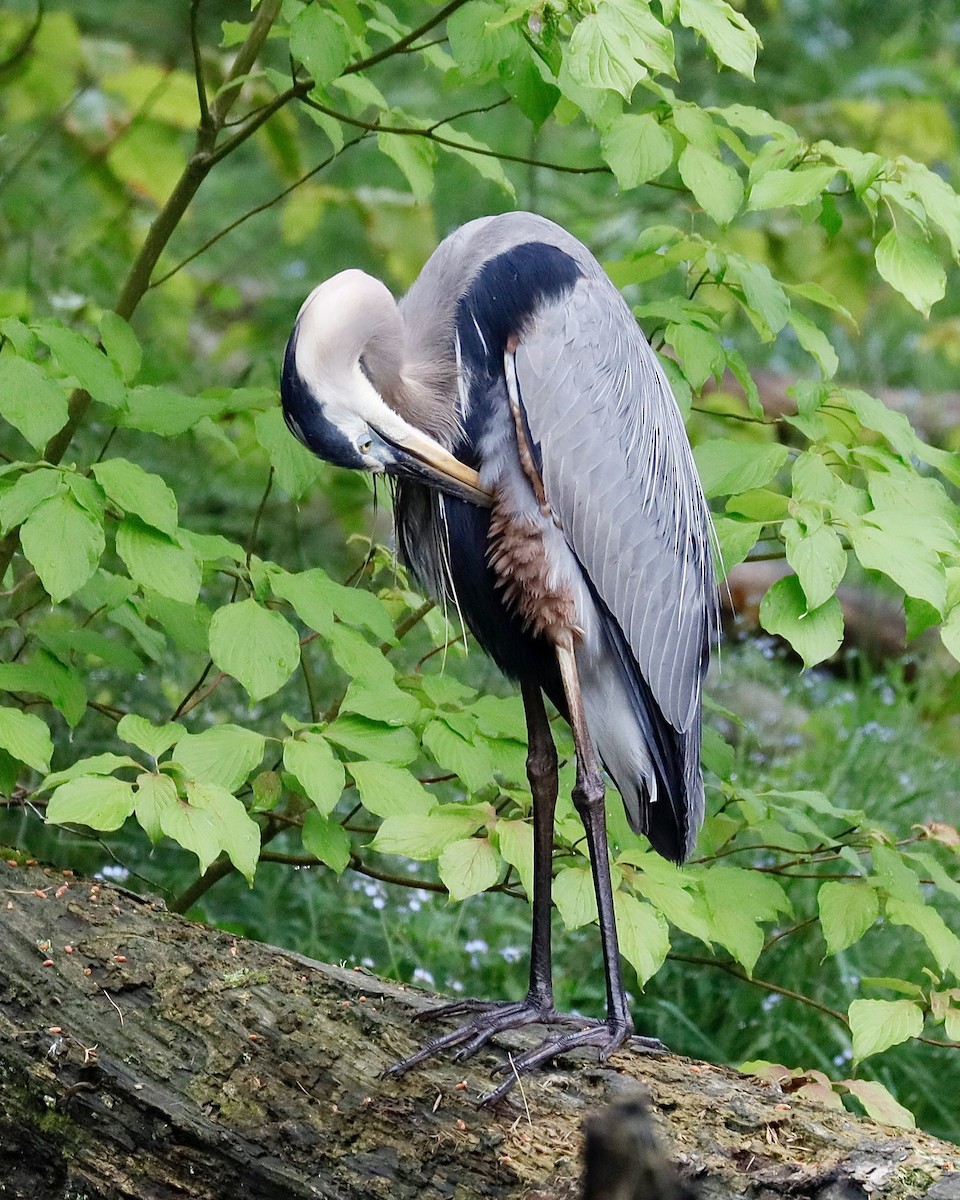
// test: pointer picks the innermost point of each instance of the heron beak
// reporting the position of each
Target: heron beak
(422, 459)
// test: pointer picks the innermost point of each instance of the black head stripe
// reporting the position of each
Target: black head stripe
(306, 419)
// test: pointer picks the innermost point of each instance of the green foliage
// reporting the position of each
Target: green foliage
(175, 659)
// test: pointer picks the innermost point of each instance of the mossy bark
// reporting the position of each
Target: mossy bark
(145, 1056)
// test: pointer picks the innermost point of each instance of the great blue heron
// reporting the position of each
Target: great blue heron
(547, 490)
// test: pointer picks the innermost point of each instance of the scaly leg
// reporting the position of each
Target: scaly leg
(588, 796)
(492, 1017)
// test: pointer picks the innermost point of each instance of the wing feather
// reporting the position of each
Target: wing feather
(620, 479)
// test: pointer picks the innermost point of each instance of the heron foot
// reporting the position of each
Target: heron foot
(490, 1017)
(607, 1036)
(494, 1017)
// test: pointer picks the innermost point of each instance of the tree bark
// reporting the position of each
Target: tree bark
(145, 1056)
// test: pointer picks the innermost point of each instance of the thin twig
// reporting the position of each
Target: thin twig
(440, 139)
(198, 63)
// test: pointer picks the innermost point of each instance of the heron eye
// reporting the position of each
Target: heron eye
(365, 447)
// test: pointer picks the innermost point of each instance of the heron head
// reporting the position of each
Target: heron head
(342, 388)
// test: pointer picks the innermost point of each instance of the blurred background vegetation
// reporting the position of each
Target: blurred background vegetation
(98, 110)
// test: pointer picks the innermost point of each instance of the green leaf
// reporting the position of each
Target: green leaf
(326, 840)
(295, 468)
(316, 599)
(942, 942)
(389, 791)
(667, 890)
(874, 414)
(479, 37)
(100, 803)
(894, 876)
(192, 828)
(905, 559)
(521, 79)
(700, 352)
(385, 702)
(423, 836)
(755, 122)
(155, 794)
(152, 739)
(358, 658)
(737, 900)
(817, 345)
(726, 466)
(64, 543)
(728, 33)
(30, 400)
(819, 559)
(940, 202)
(815, 634)
(718, 756)
(765, 301)
(97, 764)
(26, 737)
(879, 1105)
(599, 54)
(780, 188)
(30, 490)
(638, 148)
(847, 910)
(487, 165)
(90, 367)
(187, 625)
(760, 504)
(224, 754)
(736, 538)
(642, 933)
(716, 187)
(134, 490)
(468, 866)
(121, 345)
(46, 676)
(156, 561)
(449, 750)
(499, 716)
(237, 832)
(319, 771)
(515, 843)
(650, 41)
(876, 1025)
(910, 265)
(414, 157)
(165, 412)
(574, 896)
(373, 740)
(267, 789)
(258, 647)
(321, 41)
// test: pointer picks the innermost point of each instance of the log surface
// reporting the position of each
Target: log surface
(157, 1058)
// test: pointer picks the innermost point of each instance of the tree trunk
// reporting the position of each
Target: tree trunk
(145, 1056)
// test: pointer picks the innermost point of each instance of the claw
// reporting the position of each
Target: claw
(494, 1017)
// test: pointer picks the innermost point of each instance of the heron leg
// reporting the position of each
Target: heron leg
(588, 797)
(492, 1017)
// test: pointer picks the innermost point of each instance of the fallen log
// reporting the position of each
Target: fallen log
(142, 1055)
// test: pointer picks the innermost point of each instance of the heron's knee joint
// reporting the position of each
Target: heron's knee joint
(588, 794)
(541, 766)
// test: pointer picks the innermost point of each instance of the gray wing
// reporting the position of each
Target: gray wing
(620, 478)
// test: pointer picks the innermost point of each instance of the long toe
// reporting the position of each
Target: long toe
(489, 1019)
(607, 1037)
